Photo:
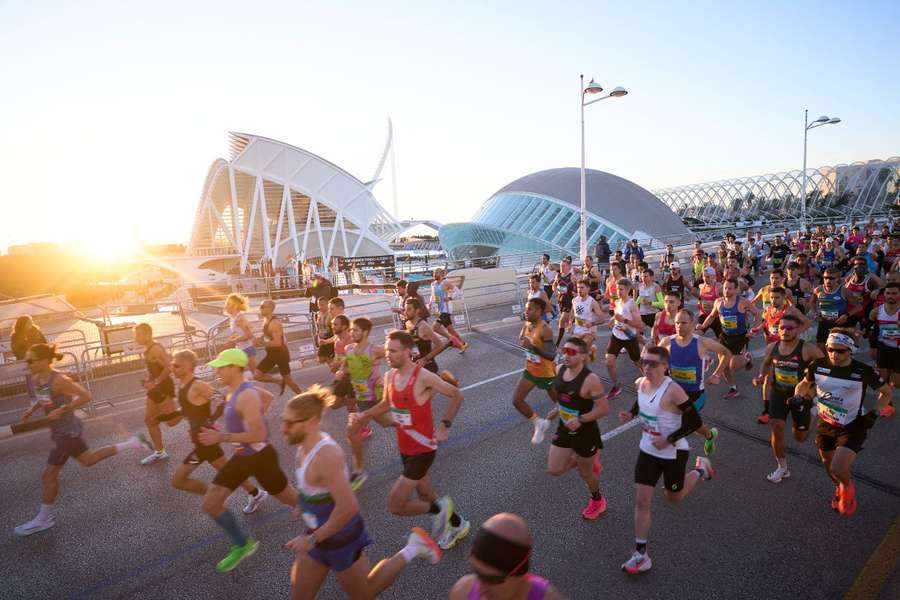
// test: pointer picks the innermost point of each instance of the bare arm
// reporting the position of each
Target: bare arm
(437, 346)
(277, 332)
(161, 357)
(593, 388)
(724, 354)
(711, 317)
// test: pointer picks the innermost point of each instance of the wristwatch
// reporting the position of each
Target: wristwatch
(447, 423)
(312, 538)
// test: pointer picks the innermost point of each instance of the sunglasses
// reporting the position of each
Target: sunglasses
(650, 363)
(570, 352)
(837, 350)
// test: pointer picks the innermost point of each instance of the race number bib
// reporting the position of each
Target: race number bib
(649, 424)
(729, 323)
(831, 410)
(785, 378)
(361, 387)
(401, 417)
(567, 413)
(686, 375)
(532, 357)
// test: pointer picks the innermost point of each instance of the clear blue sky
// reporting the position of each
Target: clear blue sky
(112, 111)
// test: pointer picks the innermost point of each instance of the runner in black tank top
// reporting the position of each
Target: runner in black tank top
(159, 387)
(277, 353)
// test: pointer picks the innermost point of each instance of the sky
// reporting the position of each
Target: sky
(112, 112)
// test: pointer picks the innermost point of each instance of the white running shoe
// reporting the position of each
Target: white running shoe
(778, 474)
(34, 526)
(441, 521)
(638, 563)
(426, 548)
(253, 502)
(152, 458)
(453, 535)
(540, 428)
(705, 467)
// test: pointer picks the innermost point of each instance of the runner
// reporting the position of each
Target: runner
(776, 280)
(676, 283)
(536, 338)
(336, 535)
(664, 324)
(626, 324)
(591, 274)
(499, 563)
(588, 315)
(277, 353)
(577, 443)
(327, 337)
(409, 391)
(667, 417)
(341, 387)
(649, 298)
(778, 252)
(253, 456)
(885, 340)
(709, 291)
(195, 398)
(731, 312)
(241, 331)
(830, 301)
(776, 309)
(441, 303)
(687, 367)
(839, 383)
(782, 368)
(160, 389)
(428, 344)
(59, 397)
(536, 291)
(564, 286)
(800, 287)
(857, 287)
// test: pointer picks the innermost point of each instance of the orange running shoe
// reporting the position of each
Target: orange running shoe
(449, 378)
(847, 502)
(888, 411)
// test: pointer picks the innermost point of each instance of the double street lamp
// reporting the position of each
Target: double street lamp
(823, 120)
(592, 88)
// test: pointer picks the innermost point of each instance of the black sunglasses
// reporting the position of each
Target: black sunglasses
(837, 350)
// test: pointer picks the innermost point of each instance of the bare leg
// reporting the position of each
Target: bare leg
(586, 472)
(611, 369)
(826, 462)
(182, 480)
(307, 577)
(690, 482)
(523, 388)
(150, 414)
(841, 461)
(50, 483)
(400, 501)
(777, 437)
(92, 457)
(643, 497)
(360, 583)
(560, 460)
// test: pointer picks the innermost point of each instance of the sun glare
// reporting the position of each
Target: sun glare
(106, 247)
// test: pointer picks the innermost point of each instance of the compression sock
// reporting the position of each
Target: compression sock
(560, 336)
(226, 521)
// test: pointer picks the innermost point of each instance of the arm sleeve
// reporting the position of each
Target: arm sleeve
(548, 351)
(690, 422)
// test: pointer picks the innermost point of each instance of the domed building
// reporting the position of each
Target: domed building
(541, 213)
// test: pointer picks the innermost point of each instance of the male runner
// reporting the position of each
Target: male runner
(195, 398)
(441, 302)
(687, 367)
(649, 297)
(782, 368)
(428, 344)
(336, 535)
(564, 287)
(626, 325)
(341, 387)
(708, 292)
(778, 252)
(499, 563)
(667, 417)
(327, 338)
(775, 310)
(253, 456)
(536, 338)
(885, 340)
(591, 274)
(160, 389)
(857, 287)
(536, 291)
(731, 312)
(776, 280)
(59, 397)
(830, 302)
(577, 444)
(664, 323)
(587, 315)
(839, 383)
(676, 283)
(277, 353)
(409, 390)
(800, 288)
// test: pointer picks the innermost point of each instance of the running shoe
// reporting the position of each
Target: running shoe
(615, 391)
(597, 467)
(705, 467)
(357, 480)
(594, 509)
(453, 535)
(638, 563)
(887, 411)
(34, 526)
(778, 474)
(836, 499)
(763, 419)
(847, 500)
(709, 444)
(749, 358)
(365, 433)
(731, 393)
(449, 378)
(440, 523)
(156, 456)
(236, 554)
(253, 502)
(420, 539)
(464, 347)
(540, 428)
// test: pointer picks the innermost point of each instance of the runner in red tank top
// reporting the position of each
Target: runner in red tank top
(665, 319)
(774, 311)
(406, 406)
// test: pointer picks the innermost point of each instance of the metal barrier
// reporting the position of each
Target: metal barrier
(500, 292)
(14, 378)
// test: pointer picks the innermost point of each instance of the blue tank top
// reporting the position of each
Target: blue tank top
(732, 320)
(686, 364)
(832, 304)
(68, 425)
(828, 258)
(234, 423)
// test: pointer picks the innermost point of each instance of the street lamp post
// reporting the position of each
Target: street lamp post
(823, 120)
(592, 88)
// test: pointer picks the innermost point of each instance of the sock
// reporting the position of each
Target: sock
(640, 546)
(560, 336)
(434, 508)
(782, 462)
(254, 492)
(226, 521)
(45, 513)
(596, 495)
(129, 444)
(410, 551)
(455, 521)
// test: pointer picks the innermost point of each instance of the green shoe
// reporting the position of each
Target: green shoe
(709, 445)
(236, 555)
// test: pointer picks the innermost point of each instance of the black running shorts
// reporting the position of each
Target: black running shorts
(202, 454)
(736, 343)
(779, 408)
(445, 319)
(162, 391)
(831, 437)
(415, 466)
(276, 357)
(262, 466)
(649, 468)
(64, 447)
(631, 346)
(584, 441)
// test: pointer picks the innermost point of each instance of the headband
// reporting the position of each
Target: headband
(500, 553)
(842, 339)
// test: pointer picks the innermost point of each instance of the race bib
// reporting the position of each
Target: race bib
(683, 374)
(361, 387)
(581, 322)
(401, 417)
(829, 313)
(532, 358)
(567, 413)
(43, 397)
(729, 323)
(649, 424)
(562, 289)
(785, 378)
(831, 410)
(890, 332)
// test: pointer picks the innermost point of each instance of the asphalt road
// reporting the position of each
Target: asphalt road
(123, 532)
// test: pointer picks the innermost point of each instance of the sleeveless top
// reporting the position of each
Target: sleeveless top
(537, 591)
(197, 416)
(732, 320)
(663, 327)
(414, 422)
(593, 282)
(647, 293)
(565, 287)
(686, 366)
(708, 295)
(234, 423)
(772, 321)
(340, 347)
(440, 298)
(423, 346)
(831, 304)
(856, 295)
(66, 426)
(788, 369)
(584, 316)
(888, 328)
(153, 367)
(675, 286)
(235, 330)
(536, 364)
(275, 350)
(364, 374)
(656, 422)
(571, 403)
(621, 330)
(799, 295)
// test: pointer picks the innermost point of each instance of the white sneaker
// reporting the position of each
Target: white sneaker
(152, 458)
(441, 521)
(419, 538)
(34, 526)
(453, 535)
(253, 502)
(778, 474)
(705, 467)
(638, 563)
(540, 428)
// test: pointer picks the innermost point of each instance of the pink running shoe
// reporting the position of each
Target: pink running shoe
(594, 509)
(365, 433)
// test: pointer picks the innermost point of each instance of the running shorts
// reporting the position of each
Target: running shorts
(736, 343)
(64, 447)
(715, 325)
(888, 358)
(445, 319)
(649, 468)
(830, 437)
(649, 320)
(631, 346)
(162, 391)
(276, 357)
(584, 441)
(202, 454)
(415, 466)
(779, 408)
(544, 383)
(698, 398)
(340, 551)
(262, 466)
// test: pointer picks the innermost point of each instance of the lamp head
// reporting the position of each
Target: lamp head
(593, 88)
(618, 92)
(833, 121)
(823, 119)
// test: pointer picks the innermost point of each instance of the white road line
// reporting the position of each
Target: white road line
(475, 385)
(620, 429)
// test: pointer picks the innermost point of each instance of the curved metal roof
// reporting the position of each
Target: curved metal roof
(613, 198)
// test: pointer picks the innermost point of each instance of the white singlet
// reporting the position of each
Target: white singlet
(656, 422)
(621, 330)
(584, 316)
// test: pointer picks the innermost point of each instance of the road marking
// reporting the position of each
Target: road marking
(878, 567)
(475, 385)
(619, 430)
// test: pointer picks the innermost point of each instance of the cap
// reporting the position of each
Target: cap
(829, 239)
(675, 264)
(230, 357)
(709, 271)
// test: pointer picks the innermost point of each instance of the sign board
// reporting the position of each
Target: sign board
(459, 319)
(516, 308)
(366, 262)
(117, 338)
(307, 349)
